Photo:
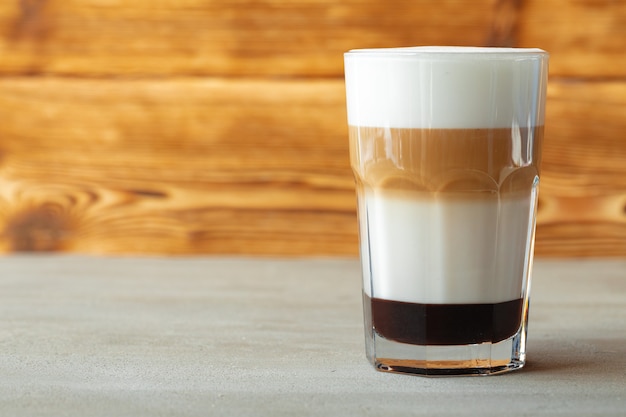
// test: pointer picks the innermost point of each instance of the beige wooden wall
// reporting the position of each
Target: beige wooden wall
(218, 126)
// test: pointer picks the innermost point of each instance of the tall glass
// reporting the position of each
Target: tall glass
(445, 144)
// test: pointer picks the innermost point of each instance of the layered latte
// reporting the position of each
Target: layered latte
(446, 155)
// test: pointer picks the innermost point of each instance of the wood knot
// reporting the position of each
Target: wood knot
(39, 229)
(504, 24)
(33, 21)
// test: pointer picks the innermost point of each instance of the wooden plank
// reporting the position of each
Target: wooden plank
(303, 37)
(222, 37)
(586, 38)
(583, 187)
(187, 166)
(196, 166)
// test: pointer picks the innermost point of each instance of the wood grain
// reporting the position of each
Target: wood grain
(215, 126)
(224, 37)
(583, 188)
(302, 37)
(185, 166)
(586, 38)
(219, 165)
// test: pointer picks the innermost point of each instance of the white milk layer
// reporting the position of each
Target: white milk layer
(446, 87)
(445, 251)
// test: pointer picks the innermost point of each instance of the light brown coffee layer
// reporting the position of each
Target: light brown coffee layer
(446, 161)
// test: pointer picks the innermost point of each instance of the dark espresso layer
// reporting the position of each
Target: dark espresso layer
(445, 324)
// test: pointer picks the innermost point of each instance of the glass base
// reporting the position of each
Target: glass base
(478, 359)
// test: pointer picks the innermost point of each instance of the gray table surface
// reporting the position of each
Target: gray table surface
(89, 336)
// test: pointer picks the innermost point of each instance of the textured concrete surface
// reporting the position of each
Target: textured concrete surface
(83, 336)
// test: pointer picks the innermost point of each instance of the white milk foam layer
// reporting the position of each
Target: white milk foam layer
(445, 87)
(445, 251)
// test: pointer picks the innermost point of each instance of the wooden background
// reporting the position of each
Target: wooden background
(218, 126)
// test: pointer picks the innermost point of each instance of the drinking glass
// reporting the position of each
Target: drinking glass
(445, 145)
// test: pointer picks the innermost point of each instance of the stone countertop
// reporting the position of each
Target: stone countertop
(90, 336)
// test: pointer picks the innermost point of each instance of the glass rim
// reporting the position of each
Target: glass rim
(466, 52)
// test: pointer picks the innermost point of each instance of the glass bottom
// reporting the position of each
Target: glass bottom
(478, 359)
